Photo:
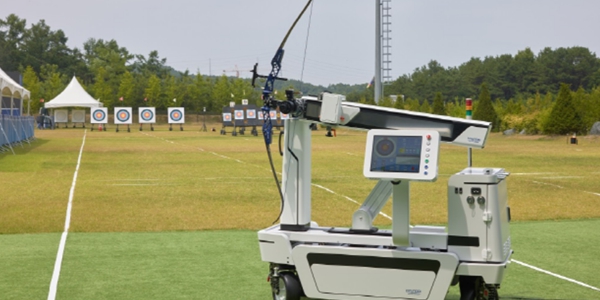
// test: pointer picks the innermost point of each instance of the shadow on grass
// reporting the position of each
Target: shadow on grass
(24, 147)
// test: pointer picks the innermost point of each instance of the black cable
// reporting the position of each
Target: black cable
(280, 136)
(276, 181)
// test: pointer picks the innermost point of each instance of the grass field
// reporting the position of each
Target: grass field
(173, 215)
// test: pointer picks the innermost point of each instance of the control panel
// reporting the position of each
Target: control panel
(402, 154)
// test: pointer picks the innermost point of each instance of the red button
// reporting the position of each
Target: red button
(428, 137)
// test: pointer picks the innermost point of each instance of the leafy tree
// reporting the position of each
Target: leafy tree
(170, 92)
(11, 38)
(102, 90)
(412, 104)
(152, 91)
(32, 83)
(564, 118)
(386, 102)
(438, 105)
(425, 107)
(221, 94)
(127, 89)
(485, 110)
(41, 46)
(53, 82)
(399, 104)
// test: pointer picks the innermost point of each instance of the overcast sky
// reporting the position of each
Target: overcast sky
(216, 35)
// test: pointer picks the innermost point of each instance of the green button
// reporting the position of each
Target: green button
(427, 161)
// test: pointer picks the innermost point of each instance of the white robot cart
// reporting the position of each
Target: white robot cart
(406, 262)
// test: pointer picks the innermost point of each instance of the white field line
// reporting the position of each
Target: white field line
(550, 184)
(556, 275)
(347, 198)
(388, 217)
(533, 174)
(200, 149)
(597, 194)
(63, 237)
(141, 184)
(563, 177)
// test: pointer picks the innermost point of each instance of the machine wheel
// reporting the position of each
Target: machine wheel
(289, 287)
(474, 288)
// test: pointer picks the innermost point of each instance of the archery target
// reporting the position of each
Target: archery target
(239, 114)
(61, 116)
(123, 115)
(251, 114)
(273, 115)
(284, 116)
(176, 115)
(226, 117)
(260, 115)
(147, 115)
(78, 116)
(99, 115)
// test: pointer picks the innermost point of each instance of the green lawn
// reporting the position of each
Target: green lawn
(169, 215)
(225, 264)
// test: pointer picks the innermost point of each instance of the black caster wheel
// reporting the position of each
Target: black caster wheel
(474, 288)
(289, 287)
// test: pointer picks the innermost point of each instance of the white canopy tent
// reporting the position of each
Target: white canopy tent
(73, 96)
(9, 91)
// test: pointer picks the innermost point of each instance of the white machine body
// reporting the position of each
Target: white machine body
(406, 262)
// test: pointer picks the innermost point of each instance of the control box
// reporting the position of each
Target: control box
(402, 154)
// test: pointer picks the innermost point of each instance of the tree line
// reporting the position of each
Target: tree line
(522, 89)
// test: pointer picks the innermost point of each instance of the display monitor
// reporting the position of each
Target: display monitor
(402, 154)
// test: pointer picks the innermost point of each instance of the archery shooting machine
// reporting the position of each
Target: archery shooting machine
(406, 262)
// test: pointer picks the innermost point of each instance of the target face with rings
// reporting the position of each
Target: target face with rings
(99, 115)
(385, 147)
(147, 115)
(122, 115)
(239, 114)
(251, 114)
(226, 117)
(176, 115)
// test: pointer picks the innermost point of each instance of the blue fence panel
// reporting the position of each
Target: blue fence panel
(16, 129)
